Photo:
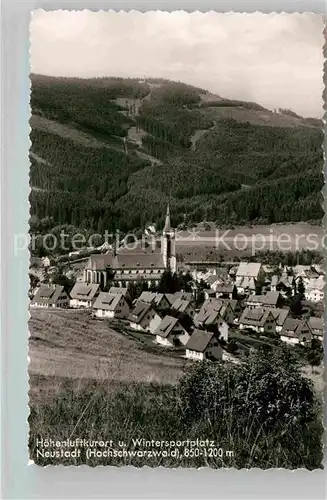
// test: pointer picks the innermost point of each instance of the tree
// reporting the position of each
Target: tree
(315, 354)
(61, 279)
(301, 289)
(296, 306)
(169, 283)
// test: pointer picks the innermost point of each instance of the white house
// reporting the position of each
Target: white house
(203, 345)
(111, 305)
(296, 331)
(83, 295)
(144, 317)
(50, 296)
(171, 333)
(247, 274)
(314, 289)
(258, 319)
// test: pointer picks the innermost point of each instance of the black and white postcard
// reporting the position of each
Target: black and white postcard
(176, 279)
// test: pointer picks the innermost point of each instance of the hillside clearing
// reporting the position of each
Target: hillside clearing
(70, 345)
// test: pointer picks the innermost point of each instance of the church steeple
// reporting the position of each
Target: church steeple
(168, 244)
(167, 227)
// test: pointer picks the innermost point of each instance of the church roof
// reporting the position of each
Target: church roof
(127, 260)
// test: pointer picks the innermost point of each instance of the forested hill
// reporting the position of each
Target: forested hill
(108, 153)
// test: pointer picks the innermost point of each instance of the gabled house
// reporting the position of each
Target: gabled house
(203, 345)
(296, 331)
(270, 299)
(280, 315)
(214, 312)
(50, 296)
(184, 306)
(236, 308)
(283, 284)
(158, 300)
(144, 317)
(111, 305)
(226, 291)
(317, 327)
(247, 275)
(170, 332)
(258, 319)
(84, 296)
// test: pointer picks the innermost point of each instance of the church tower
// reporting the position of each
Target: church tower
(168, 244)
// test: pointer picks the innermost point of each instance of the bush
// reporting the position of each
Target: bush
(264, 411)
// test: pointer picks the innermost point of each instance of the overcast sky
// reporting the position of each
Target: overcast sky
(275, 60)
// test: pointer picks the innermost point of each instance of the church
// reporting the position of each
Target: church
(126, 266)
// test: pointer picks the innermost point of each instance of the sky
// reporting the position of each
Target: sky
(275, 60)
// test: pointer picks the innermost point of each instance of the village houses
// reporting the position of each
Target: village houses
(214, 310)
(83, 295)
(296, 331)
(317, 328)
(203, 345)
(50, 296)
(158, 300)
(270, 299)
(144, 318)
(258, 319)
(184, 307)
(247, 276)
(171, 333)
(111, 305)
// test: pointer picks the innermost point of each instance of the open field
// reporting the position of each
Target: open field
(69, 346)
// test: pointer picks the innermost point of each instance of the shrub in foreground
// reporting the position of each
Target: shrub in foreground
(261, 414)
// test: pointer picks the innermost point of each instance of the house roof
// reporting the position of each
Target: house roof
(119, 289)
(107, 301)
(293, 327)
(212, 279)
(82, 291)
(280, 315)
(48, 294)
(139, 311)
(270, 298)
(248, 269)
(315, 283)
(181, 305)
(171, 297)
(184, 295)
(151, 297)
(126, 260)
(232, 302)
(316, 323)
(147, 297)
(246, 282)
(166, 326)
(254, 317)
(209, 311)
(199, 340)
(224, 288)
